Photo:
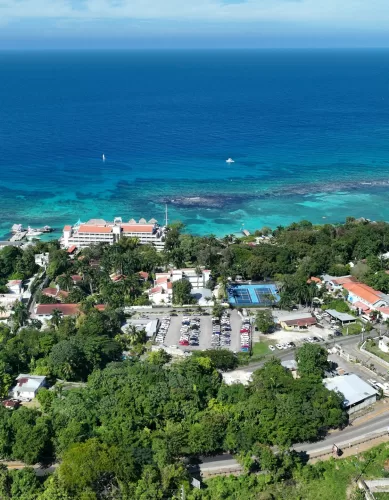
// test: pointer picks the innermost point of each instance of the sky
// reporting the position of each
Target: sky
(49, 24)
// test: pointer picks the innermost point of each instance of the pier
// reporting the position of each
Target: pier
(19, 236)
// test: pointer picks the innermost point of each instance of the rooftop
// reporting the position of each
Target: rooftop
(340, 316)
(84, 228)
(301, 322)
(353, 388)
(65, 309)
(365, 292)
(29, 383)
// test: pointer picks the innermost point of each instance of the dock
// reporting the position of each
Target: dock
(246, 232)
(19, 236)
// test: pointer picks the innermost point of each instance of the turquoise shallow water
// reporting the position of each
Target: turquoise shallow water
(309, 133)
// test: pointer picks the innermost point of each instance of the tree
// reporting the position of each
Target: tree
(56, 317)
(87, 466)
(264, 321)
(21, 314)
(312, 360)
(181, 292)
(67, 360)
(25, 484)
(45, 399)
(223, 359)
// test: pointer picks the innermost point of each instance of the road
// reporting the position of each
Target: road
(369, 427)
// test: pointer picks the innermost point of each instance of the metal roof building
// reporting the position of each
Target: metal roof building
(342, 317)
(357, 393)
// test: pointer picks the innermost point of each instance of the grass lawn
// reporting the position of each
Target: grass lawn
(374, 349)
(353, 329)
(261, 348)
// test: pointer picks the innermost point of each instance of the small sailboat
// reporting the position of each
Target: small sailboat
(230, 160)
(103, 157)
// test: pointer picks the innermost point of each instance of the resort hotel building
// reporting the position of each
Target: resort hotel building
(99, 231)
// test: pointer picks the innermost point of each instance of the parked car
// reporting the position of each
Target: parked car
(272, 348)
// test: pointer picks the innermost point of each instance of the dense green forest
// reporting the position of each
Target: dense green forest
(130, 427)
(126, 433)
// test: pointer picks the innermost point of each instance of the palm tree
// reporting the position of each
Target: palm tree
(65, 281)
(56, 317)
(21, 313)
(199, 273)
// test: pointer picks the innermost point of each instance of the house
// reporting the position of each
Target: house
(336, 283)
(160, 295)
(313, 279)
(143, 275)
(15, 286)
(27, 386)
(297, 321)
(364, 298)
(55, 293)
(45, 311)
(383, 344)
(42, 259)
(356, 392)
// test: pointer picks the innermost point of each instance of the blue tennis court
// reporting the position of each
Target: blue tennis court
(247, 295)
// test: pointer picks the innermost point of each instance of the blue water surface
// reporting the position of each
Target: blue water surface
(308, 130)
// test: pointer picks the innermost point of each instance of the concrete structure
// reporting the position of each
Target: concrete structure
(7, 243)
(237, 377)
(42, 259)
(27, 386)
(15, 287)
(356, 392)
(344, 318)
(100, 231)
(383, 344)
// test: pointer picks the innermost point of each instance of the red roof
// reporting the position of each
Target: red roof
(137, 228)
(50, 292)
(363, 291)
(362, 306)
(100, 307)
(76, 277)
(85, 228)
(344, 279)
(65, 309)
(314, 279)
(157, 289)
(144, 275)
(301, 322)
(162, 280)
(67, 228)
(72, 248)
(170, 286)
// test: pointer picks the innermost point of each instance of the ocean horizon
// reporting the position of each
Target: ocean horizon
(308, 131)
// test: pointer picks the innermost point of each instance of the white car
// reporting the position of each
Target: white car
(279, 346)
(272, 348)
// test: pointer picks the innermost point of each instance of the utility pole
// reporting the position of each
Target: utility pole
(166, 219)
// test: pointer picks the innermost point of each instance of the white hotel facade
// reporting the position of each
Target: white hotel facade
(99, 231)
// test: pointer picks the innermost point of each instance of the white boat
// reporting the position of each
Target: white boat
(103, 157)
(230, 160)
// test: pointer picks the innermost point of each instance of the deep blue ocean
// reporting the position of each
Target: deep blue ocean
(308, 130)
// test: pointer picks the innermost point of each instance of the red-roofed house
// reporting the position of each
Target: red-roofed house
(45, 311)
(298, 323)
(143, 275)
(55, 293)
(100, 307)
(359, 292)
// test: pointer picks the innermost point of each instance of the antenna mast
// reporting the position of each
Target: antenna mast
(166, 219)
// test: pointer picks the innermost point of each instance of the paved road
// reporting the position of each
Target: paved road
(368, 427)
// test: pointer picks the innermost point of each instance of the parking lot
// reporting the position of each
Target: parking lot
(175, 332)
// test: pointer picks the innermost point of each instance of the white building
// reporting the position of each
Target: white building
(162, 292)
(356, 392)
(99, 231)
(42, 259)
(383, 344)
(27, 386)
